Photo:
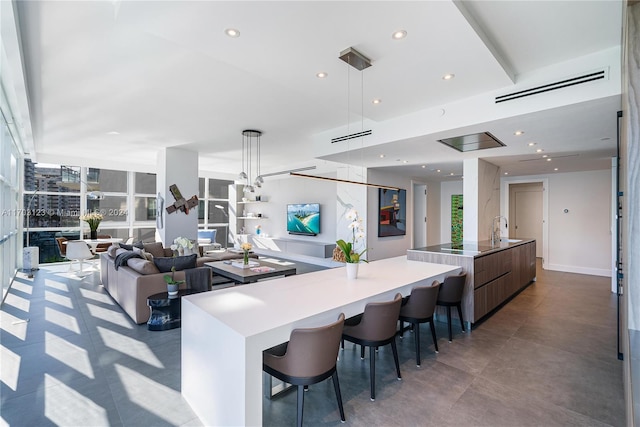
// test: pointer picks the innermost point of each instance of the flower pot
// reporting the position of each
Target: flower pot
(352, 270)
(172, 289)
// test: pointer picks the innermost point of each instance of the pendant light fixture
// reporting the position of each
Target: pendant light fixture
(250, 138)
(360, 62)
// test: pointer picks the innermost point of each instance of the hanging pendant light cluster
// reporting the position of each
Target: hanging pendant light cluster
(251, 139)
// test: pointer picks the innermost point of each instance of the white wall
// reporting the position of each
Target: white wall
(447, 189)
(280, 192)
(578, 241)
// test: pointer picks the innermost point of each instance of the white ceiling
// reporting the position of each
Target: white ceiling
(164, 74)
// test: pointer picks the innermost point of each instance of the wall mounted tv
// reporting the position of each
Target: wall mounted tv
(303, 219)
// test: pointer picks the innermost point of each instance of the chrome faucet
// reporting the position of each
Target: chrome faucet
(495, 228)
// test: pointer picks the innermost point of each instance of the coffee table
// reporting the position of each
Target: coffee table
(165, 310)
(249, 275)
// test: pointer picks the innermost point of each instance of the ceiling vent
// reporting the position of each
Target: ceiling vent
(598, 75)
(352, 136)
(473, 142)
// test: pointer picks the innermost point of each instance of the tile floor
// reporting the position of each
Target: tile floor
(71, 357)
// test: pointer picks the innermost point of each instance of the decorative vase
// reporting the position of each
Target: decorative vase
(93, 235)
(352, 270)
(172, 289)
(245, 259)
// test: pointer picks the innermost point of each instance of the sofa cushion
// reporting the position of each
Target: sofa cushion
(164, 264)
(142, 266)
(154, 249)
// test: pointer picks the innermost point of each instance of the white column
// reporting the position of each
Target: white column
(481, 190)
(179, 167)
(351, 196)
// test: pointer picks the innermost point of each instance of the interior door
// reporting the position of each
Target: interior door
(528, 216)
(419, 215)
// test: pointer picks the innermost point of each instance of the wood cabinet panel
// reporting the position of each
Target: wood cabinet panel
(479, 303)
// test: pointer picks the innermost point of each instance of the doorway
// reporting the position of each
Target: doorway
(419, 215)
(526, 213)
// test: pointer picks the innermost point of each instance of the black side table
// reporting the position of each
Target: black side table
(165, 310)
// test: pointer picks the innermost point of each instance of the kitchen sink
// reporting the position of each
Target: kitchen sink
(511, 240)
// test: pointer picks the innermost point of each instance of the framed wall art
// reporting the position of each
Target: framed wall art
(392, 212)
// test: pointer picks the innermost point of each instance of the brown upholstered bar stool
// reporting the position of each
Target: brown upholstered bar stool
(309, 357)
(451, 296)
(377, 326)
(418, 308)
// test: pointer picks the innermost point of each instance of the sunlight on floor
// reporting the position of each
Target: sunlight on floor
(56, 298)
(97, 296)
(55, 284)
(68, 353)
(14, 325)
(61, 319)
(20, 284)
(129, 346)
(150, 394)
(10, 369)
(17, 302)
(65, 406)
(109, 315)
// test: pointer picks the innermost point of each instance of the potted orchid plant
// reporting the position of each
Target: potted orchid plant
(351, 256)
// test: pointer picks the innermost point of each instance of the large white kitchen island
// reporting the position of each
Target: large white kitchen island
(224, 332)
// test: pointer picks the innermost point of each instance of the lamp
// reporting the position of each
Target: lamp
(250, 138)
(222, 209)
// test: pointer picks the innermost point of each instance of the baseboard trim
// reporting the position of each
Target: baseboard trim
(580, 270)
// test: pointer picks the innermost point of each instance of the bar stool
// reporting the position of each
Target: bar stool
(418, 308)
(451, 296)
(375, 327)
(309, 357)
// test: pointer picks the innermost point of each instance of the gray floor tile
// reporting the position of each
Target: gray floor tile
(547, 358)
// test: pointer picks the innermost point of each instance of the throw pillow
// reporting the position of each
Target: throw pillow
(143, 254)
(154, 249)
(130, 247)
(164, 264)
(142, 266)
(112, 250)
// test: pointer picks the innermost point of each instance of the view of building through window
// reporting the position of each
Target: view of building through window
(56, 196)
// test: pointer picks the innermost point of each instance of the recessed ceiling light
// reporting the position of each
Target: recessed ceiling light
(437, 170)
(549, 159)
(531, 144)
(448, 76)
(232, 32)
(376, 101)
(451, 174)
(113, 132)
(518, 133)
(382, 156)
(321, 75)
(424, 166)
(405, 161)
(398, 35)
(506, 173)
(555, 169)
(539, 150)
(544, 156)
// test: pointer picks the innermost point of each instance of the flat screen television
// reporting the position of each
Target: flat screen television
(303, 219)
